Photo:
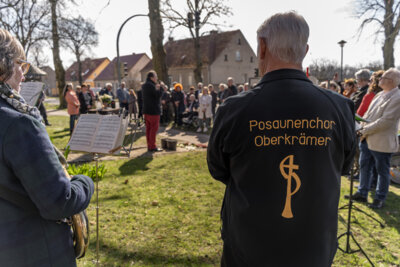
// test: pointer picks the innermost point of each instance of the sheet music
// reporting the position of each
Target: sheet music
(30, 91)
(121, 135)
(98, 133)
(107, 133)
(82, 136)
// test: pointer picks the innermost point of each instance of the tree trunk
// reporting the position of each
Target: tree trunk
(199, 64)
(156, 38)
(59, 69)
(390, 35)
(78, 60)
(388, 53)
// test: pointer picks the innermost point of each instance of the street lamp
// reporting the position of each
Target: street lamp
(341, 43)
(119, 33)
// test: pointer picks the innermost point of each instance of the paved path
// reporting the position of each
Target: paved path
(186, 136)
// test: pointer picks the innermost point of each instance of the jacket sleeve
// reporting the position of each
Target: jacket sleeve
(217, 159)
(120, 95)
(389, 116)
(349, 137)
(365, 103)
(72, 100)
(29, 153)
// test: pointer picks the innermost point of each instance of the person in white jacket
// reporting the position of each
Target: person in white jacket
(205, 113)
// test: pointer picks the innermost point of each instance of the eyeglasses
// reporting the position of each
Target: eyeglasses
(25, 65)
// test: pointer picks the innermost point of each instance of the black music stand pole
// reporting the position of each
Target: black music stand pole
(96, 158)
(348, 233)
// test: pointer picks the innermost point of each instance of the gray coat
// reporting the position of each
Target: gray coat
(30, 167)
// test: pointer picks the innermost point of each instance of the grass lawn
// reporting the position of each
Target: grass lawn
(50, 105)
(164, 211)
(161, 211)
(59, 130)
(153, 214)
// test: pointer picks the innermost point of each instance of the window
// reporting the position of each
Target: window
(226, 58)
(170, 79)
(238, 58)
(251, 60)
(190, 80)
(239, 42)
(180, 78)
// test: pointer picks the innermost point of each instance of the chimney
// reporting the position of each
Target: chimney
(170, 39)
(213, 32)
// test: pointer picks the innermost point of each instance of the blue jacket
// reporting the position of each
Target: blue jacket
(30, 167)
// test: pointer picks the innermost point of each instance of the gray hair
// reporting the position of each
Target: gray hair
(286, 36)
(108, 84)
(363, 74)
(394, 74)
(10, 50)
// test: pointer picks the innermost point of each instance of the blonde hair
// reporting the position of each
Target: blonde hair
(222, 85)
(10, 50)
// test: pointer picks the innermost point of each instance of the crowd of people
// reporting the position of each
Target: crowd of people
(194, 107)
(378, 131)
(280, 149)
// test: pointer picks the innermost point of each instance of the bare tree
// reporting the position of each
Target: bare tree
(78, 34)
(37, 57)
(198, 14)
(8, 3)
(156, 38)
(385, 14)
(26, 19)
(58, 66)
(324, 69)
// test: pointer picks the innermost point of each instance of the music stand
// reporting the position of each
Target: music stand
(349, 233)
(134, 125)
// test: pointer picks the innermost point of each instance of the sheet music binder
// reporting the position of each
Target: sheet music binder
(96, 133)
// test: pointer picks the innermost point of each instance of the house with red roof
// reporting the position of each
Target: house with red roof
(130, 65)
(91, 68)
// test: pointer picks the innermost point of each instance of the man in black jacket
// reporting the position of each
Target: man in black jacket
(362, 78)
(232, 90)
(151, 110)
(280, 149)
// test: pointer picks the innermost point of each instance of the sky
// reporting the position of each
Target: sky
(329, 22)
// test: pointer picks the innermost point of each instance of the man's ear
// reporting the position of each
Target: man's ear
(308, 47)
(262, 47)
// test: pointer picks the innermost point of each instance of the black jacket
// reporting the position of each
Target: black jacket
(151, 98)
(232, 90)
(285, 129)
(358, 96)
(179, 96)
(214, 98)
(83, 108)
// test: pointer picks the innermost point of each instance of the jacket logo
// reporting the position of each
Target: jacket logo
(290, 166)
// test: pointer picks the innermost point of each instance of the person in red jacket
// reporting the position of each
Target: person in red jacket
(373, 89)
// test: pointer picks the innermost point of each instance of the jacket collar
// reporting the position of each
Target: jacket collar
(364, 88)
(150, 81)
(283, 74)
